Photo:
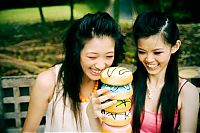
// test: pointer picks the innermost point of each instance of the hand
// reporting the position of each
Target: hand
(95, 106)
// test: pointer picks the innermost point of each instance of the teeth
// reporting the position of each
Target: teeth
(151, 65)
(96, 71)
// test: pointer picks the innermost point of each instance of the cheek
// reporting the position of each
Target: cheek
(109, 62)
(84, 63)
(165, 58)
(141, 58)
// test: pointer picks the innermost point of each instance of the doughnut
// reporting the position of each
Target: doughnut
(120, 106)
(113, 129)
(116, 119)
(122, 92)
(116, 76)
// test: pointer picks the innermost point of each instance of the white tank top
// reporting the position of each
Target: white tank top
(64, 121)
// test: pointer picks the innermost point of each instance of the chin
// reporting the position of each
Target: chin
(153, 72)
(92, 77)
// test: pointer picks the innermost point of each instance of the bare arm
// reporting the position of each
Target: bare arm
(94, 108)
(189, 108)
(40, 95)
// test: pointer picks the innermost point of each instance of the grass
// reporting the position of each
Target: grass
(51, 13)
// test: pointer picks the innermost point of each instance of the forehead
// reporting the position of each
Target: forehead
(102, 43)
(153, 42)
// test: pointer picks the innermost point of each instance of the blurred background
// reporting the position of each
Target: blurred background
(31, 30)
(31, 33)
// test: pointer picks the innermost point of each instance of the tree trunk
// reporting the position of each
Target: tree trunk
(41, 12)
(72, 8)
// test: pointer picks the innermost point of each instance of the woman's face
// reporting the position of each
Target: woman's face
(97, 54)
(154, 54)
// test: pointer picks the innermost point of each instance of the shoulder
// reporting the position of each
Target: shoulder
(189, 88)
(46, 78)
(45, 83)
(189, 92)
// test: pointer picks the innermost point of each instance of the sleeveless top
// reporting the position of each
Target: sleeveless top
(149, 123)
(64, 121)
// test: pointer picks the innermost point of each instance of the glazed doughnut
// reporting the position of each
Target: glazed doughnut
(113, 129)
(122, 92)
(116, 119)
(116, 76)
(120, 106)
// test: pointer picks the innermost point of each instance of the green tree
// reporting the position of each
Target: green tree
(116, 10)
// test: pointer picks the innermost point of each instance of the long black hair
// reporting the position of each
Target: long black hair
(84, 29)
(148, 24)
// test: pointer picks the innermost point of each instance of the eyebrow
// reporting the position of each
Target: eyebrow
(97, 53)
(153, 49)
(110, 52)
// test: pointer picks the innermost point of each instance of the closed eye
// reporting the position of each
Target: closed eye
(90, 57)
(156, 53)
(111, 56)
(141, 52)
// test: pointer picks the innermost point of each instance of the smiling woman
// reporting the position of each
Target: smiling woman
(63, 92)
(97, 55)
(161, 99)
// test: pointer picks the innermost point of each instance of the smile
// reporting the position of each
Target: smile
(95, 72)
(151, 66)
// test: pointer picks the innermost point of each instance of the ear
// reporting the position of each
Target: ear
(176, 46)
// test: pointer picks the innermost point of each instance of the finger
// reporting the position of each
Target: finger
(108, 104)
(105, 105)
(102, 91)
(106, 97)
(99, 115)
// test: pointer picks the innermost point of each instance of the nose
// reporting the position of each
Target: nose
(100, 64)
(149, 58)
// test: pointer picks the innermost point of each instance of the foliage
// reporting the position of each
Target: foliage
(52, 13)
(116, 10)
(25, 39)
(190, 35)
(184, 11)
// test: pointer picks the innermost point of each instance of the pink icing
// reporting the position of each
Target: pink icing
(115, 129)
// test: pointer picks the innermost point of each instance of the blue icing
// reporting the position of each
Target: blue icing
(117, 89)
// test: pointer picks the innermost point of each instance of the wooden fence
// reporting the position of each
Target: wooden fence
(14, 98)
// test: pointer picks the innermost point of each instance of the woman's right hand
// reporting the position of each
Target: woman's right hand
(97, 104)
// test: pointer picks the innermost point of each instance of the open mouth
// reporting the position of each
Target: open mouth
(151, 66)
(95, 72)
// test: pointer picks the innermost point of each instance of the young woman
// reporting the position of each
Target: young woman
(91, 44)
(161, 98)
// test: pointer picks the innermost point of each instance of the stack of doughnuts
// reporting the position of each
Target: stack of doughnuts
(118, 116)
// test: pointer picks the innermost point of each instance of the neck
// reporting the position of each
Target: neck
(155, 81)
(87, 89)
(154, 87)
